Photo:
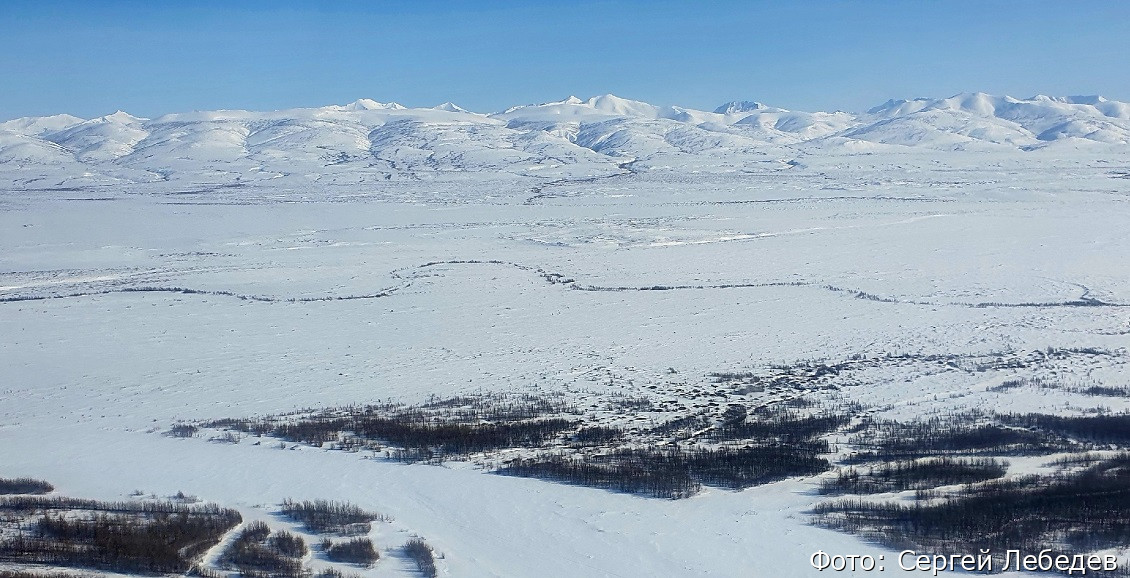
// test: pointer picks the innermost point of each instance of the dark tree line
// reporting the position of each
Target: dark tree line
(738, 468)
(776, 423)
(146, 537)
(459, 439)
(1093, 389)
(661, 474)
(1085, 511)
(358, 551)
(288, 544)
(684, 425)
(954, 434)
(676, 473)
(458, 426)
(913, 475)
(257, 552)
(1112, 428)
(987, 434)
(31, 504)
(326, 516)
(597, 435)
(24, 486)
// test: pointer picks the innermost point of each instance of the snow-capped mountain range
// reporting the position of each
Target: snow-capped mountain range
(368, 141)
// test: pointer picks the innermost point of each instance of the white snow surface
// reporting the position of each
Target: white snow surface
(368, 141)
(365, 252)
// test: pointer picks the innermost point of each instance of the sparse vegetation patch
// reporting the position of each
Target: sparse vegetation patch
(956, 434)
(423, 555)
(327, 516)
(676, 473)
(1077, 512)
(127, 537)
(24, 486)
(913, 475)
(257, 552)
(358, 551)
(435, 430)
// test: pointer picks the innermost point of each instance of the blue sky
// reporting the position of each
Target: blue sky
(151, 57)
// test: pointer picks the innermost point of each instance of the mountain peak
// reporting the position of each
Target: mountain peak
(610, 103)
(604, 105)
(40, 124)
(978, 103)
(450, 107)
(370, 104)
(900, 106)
(738, 106)
(121, 117)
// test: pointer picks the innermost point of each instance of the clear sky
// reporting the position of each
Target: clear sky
(150, 57)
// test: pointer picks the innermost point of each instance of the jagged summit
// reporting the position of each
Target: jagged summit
(740, 106)
(370, 104)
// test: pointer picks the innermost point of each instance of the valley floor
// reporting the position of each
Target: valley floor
(124, 312)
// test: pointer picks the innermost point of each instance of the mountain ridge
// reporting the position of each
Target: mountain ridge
(369, 140)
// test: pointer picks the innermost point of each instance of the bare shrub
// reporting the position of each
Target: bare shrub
(147, 537)
(421, 553)
(255, 551)
(288, 544)
(358, 551)
(182, 430)
(1076, 512)
(325, 516)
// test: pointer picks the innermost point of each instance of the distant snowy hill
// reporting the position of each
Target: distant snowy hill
(966, 118)
(370, 141)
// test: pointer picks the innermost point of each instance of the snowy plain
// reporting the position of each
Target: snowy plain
(366, 252)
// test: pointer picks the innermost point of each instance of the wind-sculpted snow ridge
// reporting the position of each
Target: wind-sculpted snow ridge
(372, 142)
